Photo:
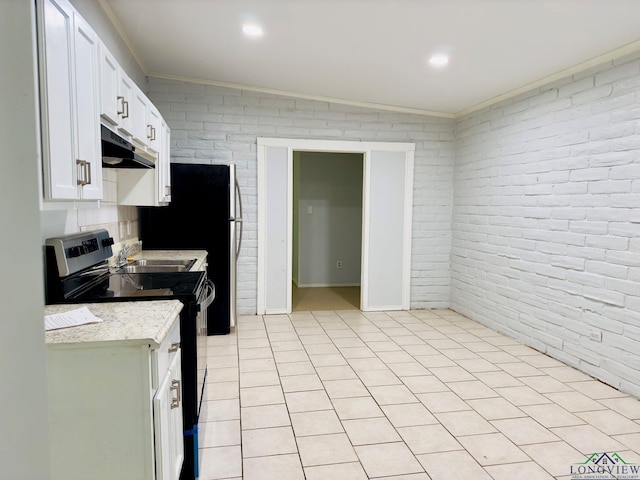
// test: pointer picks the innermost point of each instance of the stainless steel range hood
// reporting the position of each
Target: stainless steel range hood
(120, 153)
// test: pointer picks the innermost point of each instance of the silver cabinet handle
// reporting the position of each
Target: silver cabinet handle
(121, 100)
(84, 172)
(125, 112)
(175, 385)
(81, 165)
(151, 132)
(79, 172)
(174, 347)
(167, 189)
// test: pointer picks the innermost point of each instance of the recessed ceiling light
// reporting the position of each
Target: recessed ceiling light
(252, 30)
(439, 60)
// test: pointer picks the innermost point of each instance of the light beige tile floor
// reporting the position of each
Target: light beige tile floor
(348, 395)
(343, 298)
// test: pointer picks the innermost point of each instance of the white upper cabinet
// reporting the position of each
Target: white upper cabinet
(57, 109)
(82, 85)
(124, 100)
(87, 116)
(164, 181)
(154, 127)
(111, 104)
(147, 187)
(139, 111)
(126, 88)
(140, 121)
(117, 96)
(70, 121)
(125, 108)
(151, 188)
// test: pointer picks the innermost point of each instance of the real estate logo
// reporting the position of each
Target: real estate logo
(605, 466)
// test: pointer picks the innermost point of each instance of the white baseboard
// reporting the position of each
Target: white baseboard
(325, 285)
(384, 308)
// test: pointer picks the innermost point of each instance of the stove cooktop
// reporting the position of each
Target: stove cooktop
(140, 286)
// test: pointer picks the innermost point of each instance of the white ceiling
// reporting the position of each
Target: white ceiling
(376, 51)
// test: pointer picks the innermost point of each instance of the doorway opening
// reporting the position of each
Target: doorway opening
(327, 230)
(387, 202)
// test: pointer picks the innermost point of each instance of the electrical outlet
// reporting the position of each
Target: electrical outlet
(339, 264)
(595, 335)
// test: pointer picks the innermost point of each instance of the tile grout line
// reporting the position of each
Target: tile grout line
(295, 438)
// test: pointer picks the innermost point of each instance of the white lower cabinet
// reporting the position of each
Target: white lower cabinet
(115, 410)
(167, 416)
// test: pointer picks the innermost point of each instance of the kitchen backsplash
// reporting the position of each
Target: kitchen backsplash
(120, 221)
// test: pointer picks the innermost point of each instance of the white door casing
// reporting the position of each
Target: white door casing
(383, 286)
(386, 228)
(275, 228)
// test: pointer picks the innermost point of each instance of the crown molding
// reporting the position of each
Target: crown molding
(125, 38)
(617, 53)
(306, 96)
(628, 49)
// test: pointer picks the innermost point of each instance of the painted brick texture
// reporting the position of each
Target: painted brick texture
(546, 220)
(544, 241)
(212, 124)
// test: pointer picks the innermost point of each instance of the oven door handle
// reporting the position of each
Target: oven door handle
(211, 295)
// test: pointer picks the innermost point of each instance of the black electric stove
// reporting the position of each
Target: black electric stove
(144, 286)
(77, 271)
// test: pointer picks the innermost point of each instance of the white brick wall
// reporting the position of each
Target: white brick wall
(546, 220)
(220, 125)
(544, 244)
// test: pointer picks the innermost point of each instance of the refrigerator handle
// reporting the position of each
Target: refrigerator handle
(239, 220)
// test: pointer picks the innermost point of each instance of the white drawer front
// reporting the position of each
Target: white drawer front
(166, 353)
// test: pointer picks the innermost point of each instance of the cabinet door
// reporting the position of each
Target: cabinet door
(139, 107)
(87, 117)
(154, 129)
(164, 180)
(167, 414)
(59, 151)
(125, 90)
(111, 106)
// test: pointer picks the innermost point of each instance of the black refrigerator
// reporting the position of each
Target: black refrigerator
(205, 213)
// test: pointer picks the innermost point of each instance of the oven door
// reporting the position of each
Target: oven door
(206, 298)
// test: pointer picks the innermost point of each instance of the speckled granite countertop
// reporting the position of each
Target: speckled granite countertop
(199, 255)
(131, 323)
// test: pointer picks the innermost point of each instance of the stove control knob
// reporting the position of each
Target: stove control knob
(75, 252)
(107, 242)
